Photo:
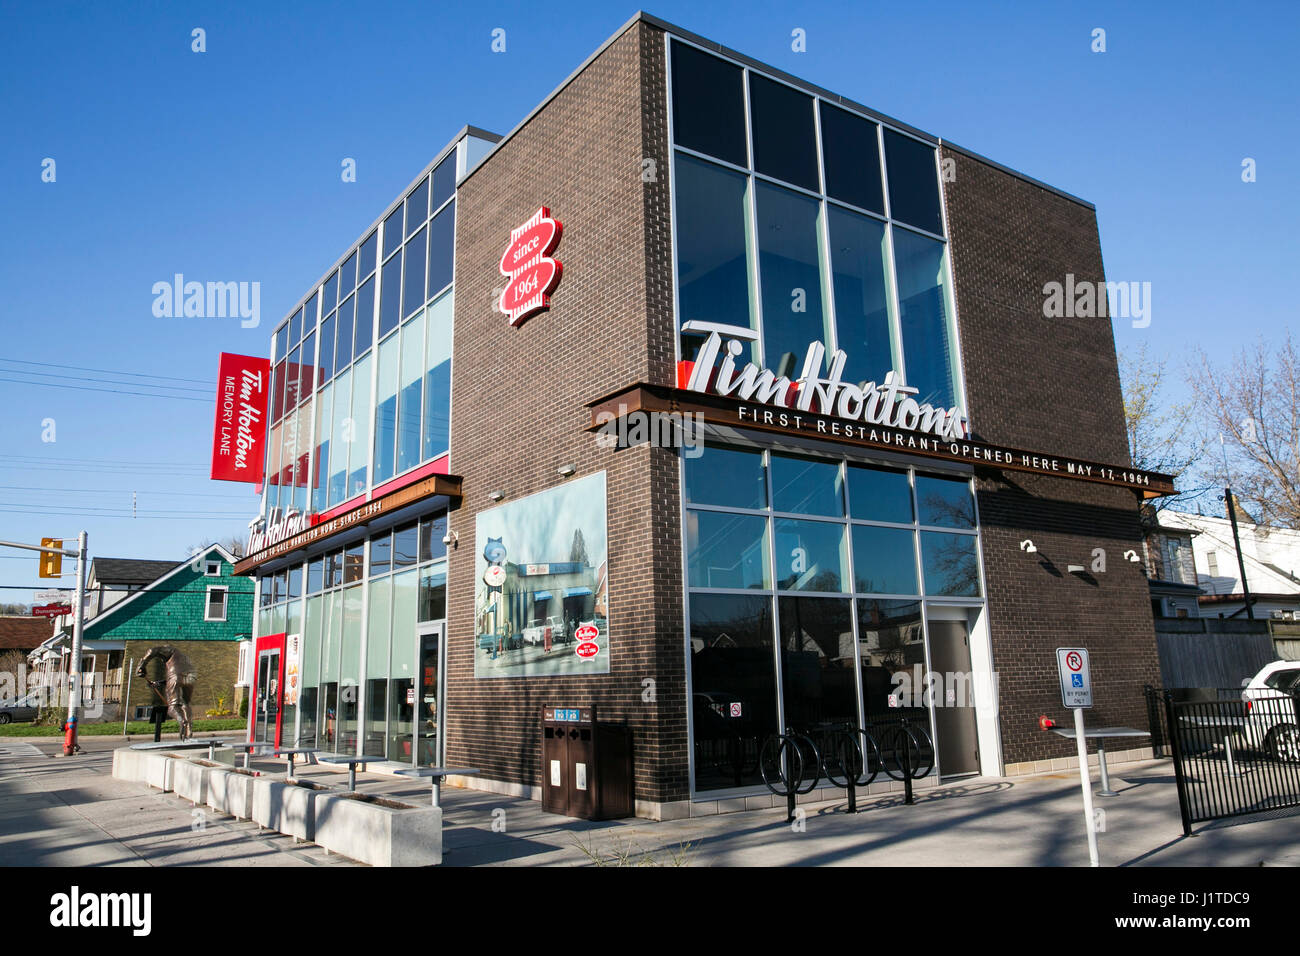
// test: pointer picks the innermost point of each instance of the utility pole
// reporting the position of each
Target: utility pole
(1236, 538)
(79, 619)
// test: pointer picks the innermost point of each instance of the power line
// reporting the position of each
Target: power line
(115, 391)
(107, 381)
(82, 368)
(125, 491)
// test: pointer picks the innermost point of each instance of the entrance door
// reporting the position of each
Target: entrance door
(428, 701)
(954, 704)
(268, 696)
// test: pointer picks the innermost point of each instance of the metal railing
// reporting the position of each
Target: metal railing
(1233, 755)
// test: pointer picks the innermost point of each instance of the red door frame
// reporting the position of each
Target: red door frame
(272, 642)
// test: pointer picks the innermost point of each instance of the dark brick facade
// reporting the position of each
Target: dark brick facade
(519, 397)
(1051, 385)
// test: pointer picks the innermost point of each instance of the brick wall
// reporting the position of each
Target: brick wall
(518, 407)
(1050, 385)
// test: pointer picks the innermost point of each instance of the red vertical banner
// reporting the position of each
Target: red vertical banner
(239, 435)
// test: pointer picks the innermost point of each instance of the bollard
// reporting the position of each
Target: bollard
(907, 762)
(850, 772)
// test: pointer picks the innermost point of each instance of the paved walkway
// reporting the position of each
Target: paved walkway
(61, 811)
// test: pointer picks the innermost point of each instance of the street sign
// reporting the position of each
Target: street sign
(51, 610)
(52, 597)
(1076, 683)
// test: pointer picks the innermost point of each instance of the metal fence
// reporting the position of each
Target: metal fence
(1233, 756)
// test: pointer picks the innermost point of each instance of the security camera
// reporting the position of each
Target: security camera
(450, 539)
(1028, 546)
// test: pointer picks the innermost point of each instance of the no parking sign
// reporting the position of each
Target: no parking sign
(1076, 682)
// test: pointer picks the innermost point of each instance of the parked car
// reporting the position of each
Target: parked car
(537, 633)
(25, 708)
(1271, 719)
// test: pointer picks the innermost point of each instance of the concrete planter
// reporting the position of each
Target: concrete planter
(190, 778)
(379, 831)
(230, 790)
(287, 806)
(129, 764)
(158, 770)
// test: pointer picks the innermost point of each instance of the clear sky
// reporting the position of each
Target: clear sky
(225, 166)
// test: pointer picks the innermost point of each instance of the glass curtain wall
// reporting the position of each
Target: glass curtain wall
(806, 580)
(808, 222)
(327, 444)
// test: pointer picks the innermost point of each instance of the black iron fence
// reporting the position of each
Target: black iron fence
(1234, 753)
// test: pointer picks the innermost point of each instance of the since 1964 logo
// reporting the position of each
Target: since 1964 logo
(528, 264)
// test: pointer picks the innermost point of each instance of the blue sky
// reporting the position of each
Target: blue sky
(225, 166)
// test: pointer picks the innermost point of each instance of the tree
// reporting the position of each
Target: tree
(1252, 401)
(1160, 435)
(233, 544)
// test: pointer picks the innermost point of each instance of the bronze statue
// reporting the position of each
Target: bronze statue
(178, 689)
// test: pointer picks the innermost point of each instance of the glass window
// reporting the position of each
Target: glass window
(401, 668)
(913, 182)
(432, 530)
(348, 276)
(315, 575)
(343, 350)
(818, 662)
(733, 678)
(302, 445)
(434, 428)
(880, 494)
(405, 546)
(326, 360)
(386, 408)
(890, 640)
(378, 635)
(860, 283)
(727, 550)
(390, 304)
(341, 437)
(807, 486)
(708, 104)
(951, 566)
(410, 397)
(790, 277)
(295, 327)
(293, 380)
(945, 502)
(712, 272)
(417, 207)
(277, 392)
(392, 232)
(413, 280)
(360, 447)
(851, 158)
(350, 670)
(927, 348)
(381, 553)
(733, 477)
(442, 249)
(433, 592)
(334, 569)
(331, 294)
(366, 262)
(294, 581)
(884, 560)
(311, 648)
(282, 340)
(307, 383)
(444, 181)
(354, 563)
(810, 555)
(785, 140)
(310, 313)
(365, 324)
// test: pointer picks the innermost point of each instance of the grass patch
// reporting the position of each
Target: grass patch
(112, 728)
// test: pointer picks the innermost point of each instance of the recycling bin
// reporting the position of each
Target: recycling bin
(586, 765)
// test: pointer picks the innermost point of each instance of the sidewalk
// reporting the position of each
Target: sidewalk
(57, 811)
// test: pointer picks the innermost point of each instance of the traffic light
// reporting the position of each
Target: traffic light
(51, 561)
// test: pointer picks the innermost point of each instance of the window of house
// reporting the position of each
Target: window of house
(212, 568)
(216, 605)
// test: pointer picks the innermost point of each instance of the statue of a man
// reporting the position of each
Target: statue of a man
(177, 689)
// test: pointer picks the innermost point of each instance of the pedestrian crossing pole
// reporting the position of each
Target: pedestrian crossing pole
(70, 745)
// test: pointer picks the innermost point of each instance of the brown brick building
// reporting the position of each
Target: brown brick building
(892, 463)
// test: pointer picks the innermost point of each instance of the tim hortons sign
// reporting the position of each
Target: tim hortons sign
(527, 263)
(237, 436)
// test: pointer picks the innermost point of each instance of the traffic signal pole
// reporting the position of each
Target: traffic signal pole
(79, 619)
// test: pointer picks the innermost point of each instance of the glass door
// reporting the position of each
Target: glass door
(268, 696)
(428, 697)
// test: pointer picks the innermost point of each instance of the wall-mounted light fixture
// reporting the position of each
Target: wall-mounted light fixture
(565, 470)
(496, 495)
(1028, 546)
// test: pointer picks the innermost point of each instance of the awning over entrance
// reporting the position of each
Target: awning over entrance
(577, 592)
(542, 596)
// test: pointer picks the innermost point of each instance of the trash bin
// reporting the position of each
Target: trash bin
(586, 765)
